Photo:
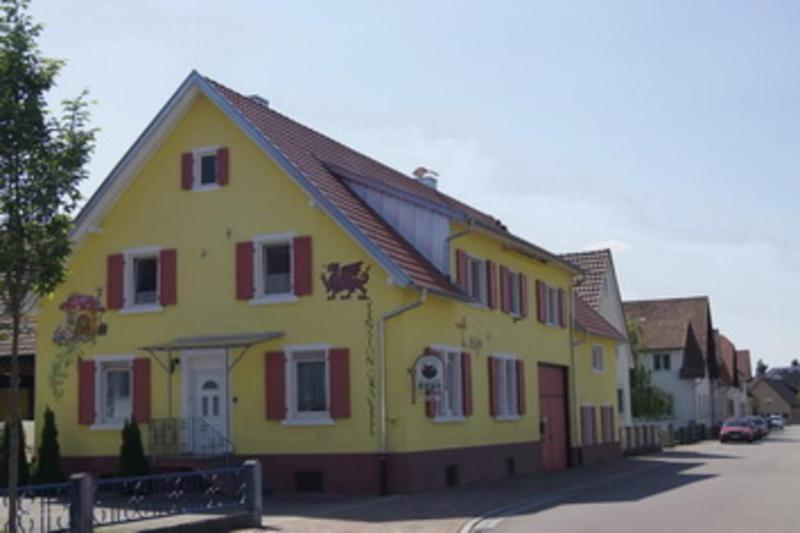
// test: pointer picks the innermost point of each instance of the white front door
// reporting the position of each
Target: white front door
(206, 401)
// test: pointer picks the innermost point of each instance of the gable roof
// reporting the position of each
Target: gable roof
(781, 388)
(319, 165)
(669, 324)
(594, 264)
(727, 351)
(592, 322)
(743, 366)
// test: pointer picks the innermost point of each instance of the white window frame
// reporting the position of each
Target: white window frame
(197, 168)
(507, 382)
(129, 281)
(259, 241)
(598, 358)
(294, 354)
(553, 307)
(483, 287)
(514, 292)
(445, 411)
(100, 385)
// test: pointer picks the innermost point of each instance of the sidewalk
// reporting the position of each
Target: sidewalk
(444, 510)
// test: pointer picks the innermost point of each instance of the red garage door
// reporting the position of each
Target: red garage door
(553, 412)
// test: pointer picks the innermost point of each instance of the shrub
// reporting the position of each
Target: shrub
(5, 445)
(132, 461)
(48, 458)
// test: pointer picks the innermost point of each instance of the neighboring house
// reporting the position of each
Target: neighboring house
(268, 292)
(744, 371)
(596, 347)
(676, 342)
(775, 396)
(731, 388)
(598, 286)
(26, 351)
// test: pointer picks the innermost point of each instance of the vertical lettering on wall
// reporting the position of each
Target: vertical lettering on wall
(370, 355)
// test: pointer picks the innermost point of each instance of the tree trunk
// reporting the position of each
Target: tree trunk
(14, 436)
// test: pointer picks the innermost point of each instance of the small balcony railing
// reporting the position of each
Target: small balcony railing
(187, 437)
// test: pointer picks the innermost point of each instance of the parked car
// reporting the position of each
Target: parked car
(761, 425)
(776, 421)
(738, 429)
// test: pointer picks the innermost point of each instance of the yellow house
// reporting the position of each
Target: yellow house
(244, 286)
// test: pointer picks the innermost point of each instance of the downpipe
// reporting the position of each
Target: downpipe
(384, 426)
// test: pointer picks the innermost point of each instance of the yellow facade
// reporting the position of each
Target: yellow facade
(203, 226)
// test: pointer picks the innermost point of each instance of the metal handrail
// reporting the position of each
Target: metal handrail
(191, 436)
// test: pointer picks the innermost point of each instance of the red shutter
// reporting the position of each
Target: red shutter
(222, 166)
(461, 269)
(466, 383)
(523, 296)
(244, 270)
(491, 276)
(275, 382)
(494, 392)
(115, 267)
(141, 389)
(168, 271)
(187, 171)
(521, 405)
(541, 301)
(562, 318)
(340, 382)
(504, 303)
(301, 251)
(85, 392)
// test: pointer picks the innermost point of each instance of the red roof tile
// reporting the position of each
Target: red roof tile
(590, 320)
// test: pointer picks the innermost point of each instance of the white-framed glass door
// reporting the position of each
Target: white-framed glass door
(205, 401)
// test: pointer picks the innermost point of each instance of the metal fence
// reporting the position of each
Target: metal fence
(174, 437)
(41, 507)
(217, 491)
(83, 503)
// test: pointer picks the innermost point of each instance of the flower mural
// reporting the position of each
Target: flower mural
(82, 324)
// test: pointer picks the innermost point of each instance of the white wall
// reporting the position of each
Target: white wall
(691, 398)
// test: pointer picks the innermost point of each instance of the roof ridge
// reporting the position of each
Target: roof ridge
(670, 299)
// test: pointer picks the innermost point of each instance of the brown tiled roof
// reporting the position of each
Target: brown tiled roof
(727, 352)
(27, 338)
(310, 152)
(590, 320)
(743, 364)
(589, 285)
(783, 390)
(665, 325)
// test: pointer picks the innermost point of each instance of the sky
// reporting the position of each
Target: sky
(667, 131)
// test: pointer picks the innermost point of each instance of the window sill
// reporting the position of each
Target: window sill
(451, 419)
(203, 188)
(507, 418)
(325, 421)
(107, 426)
(274, 299)
(136, 309)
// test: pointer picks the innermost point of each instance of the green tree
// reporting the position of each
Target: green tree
(648, 401)
(795, 363)
(48, 459)
(761, 368)
(132, 461)
(43, 159)
(23, 470)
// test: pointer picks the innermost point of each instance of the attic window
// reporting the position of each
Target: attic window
(205, 168)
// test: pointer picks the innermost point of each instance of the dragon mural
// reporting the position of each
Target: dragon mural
(344, 280)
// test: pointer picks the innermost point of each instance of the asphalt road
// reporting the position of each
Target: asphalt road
(706, 487)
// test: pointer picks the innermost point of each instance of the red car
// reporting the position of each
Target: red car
(737, 429)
